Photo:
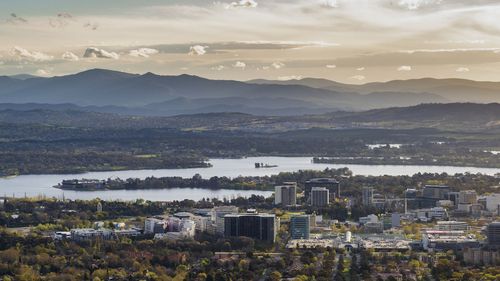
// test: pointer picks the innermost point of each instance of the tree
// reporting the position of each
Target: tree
(275, 276)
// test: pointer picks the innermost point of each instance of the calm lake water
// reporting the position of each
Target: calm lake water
(35, 185)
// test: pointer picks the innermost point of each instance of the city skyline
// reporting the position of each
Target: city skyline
(357, 41)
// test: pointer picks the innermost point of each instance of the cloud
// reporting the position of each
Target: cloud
(417, 4)
(93, 52)
(239, 64)
(61, 20)
(291, 77)
(242, 4)
(278, 65)
(143, 52)
(330, 3)
(42, 72)
(70, 56)
(91, 25)
(197, 50)
(358, 77)
(452, 50)
(15, 19)
(463, 69)
(218, 67)
(360, 68)
(404, 68)
(331, 66)
(32, 56)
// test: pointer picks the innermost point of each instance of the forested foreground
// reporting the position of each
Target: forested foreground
(33, 258)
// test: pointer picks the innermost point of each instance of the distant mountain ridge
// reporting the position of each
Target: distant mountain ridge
(454, 90)
(110, 91)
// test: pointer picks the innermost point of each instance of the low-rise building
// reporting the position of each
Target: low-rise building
(436, 213)
(80, 234)
(441, 240)
(481, 256)
(452, 225)
(309, 243)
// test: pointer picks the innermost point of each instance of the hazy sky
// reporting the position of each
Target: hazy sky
(353, 41)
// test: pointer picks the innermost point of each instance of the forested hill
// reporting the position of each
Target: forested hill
(456, 116)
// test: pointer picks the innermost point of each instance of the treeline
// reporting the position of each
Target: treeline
(351, 185)
(41, 148)
(16, 163)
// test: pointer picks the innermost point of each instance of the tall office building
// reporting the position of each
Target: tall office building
(331, 184)
(320, 196)
(300, 227)
(286, 195)
(262, 227)
(367, 196)
(493, 233)
(220, 213)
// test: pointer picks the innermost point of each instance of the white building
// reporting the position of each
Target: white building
(90, 233)
(493, 203)
(285, 195)
(320, 196)
(220, 212)
(368, 219)
(438, 213)
(188, 228)
(154, 225)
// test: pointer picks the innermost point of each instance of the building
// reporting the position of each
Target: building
(479, 256)
(373, 227)
(320, 197)
(395, 220)
(300, 227)
(81, 234)
(437, 192)
(493, 233)
(262, 227)
(331, 184)
(368, 219)
(367, 196)
(493, 203)
(188, 228)
(154, 225)
(452, 225)
(436, 213)
(83, 184)
(286, 195)
(467, 197)
(454, 197)
(127, 232)
(309, 243)
(219, 213)
(441, 240)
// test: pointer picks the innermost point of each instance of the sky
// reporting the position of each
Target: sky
(350, 41)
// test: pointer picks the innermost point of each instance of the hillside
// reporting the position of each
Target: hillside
(455, 117)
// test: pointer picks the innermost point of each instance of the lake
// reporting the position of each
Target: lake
(35, 185)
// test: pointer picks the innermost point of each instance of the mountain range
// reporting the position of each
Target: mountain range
(110, 91)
